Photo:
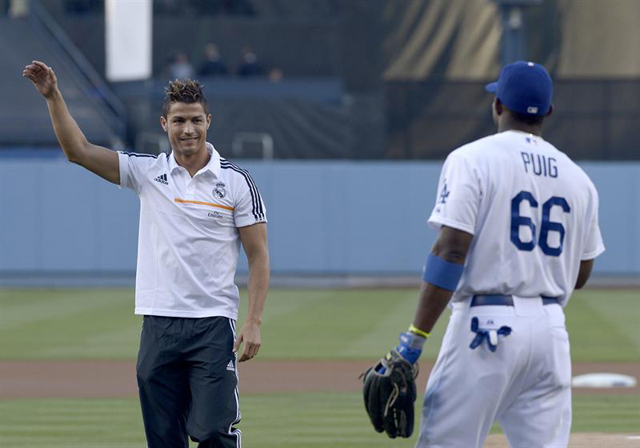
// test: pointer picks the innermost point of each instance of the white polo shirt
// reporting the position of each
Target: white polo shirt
(188, 242)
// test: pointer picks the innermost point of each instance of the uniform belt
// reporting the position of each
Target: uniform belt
(500, 300)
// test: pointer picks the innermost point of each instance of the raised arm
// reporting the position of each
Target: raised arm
(102, 161)
(254, 240)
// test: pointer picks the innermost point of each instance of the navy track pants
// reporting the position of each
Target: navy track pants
(188, 382)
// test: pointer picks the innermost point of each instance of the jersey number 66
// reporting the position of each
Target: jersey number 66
(546, 227)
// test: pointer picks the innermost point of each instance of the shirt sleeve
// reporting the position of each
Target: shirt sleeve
(250, 208)
(594, 245)
(458, 195)
(133, 169)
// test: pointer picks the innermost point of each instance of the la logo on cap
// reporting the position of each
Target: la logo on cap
(524, 87)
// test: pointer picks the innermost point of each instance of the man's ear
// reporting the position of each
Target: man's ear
(208, 121)
(497, 106)
(163, 123)
(550, 110)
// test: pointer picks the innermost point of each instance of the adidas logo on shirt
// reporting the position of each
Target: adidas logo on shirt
(162, 179)
(231, 367)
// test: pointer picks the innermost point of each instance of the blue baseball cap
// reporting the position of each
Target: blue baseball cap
(524, 87)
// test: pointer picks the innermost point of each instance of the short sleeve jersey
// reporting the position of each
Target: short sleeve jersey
(188, 242)
(533, 213)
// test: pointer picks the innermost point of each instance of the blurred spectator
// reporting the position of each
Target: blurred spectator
(249, 65)
(14, 8)
(228, 7)
(181, 68)
(84, 6)
(238, 7)
(198, 8)
(275, 74)
(173, 7)
(213, 64)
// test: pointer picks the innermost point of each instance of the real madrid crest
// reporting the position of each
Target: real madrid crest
(219, 191)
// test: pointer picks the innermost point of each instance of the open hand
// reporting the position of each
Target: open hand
(42, 77)
(250, 336)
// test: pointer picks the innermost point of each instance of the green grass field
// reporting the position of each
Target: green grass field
(298, 324)
(269, 421)
(354, 324)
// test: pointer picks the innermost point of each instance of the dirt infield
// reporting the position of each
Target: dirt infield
(71, 379)
(66, 379)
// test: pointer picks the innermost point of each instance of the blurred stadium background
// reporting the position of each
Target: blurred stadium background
(344, 121)
(343, 111)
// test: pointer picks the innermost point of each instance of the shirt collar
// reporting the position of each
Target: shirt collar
(214, 162)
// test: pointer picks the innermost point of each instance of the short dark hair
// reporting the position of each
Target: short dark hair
(184, 91)
(531, 120)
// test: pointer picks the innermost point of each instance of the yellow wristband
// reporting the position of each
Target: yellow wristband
(414, 329)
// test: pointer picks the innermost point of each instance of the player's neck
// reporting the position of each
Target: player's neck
(512, 125)
(193, 162)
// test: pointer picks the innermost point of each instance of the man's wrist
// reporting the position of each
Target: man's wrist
(419, 332)
(253, 321)
(410, 347)
(54, 95)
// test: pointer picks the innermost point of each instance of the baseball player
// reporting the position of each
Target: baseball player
(196, 210)
(518, 231)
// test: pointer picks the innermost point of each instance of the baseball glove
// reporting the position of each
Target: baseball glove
(389, 390)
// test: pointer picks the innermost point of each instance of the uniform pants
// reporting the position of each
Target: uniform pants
(524, 384)
(188, 382)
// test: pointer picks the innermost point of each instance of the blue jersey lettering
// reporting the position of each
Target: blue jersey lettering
(539, 165)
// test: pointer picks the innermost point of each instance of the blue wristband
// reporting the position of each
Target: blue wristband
(442, 273)
(410, 347)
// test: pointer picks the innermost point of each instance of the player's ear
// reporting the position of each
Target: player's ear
(163, 123)
(208, 121)
(497, 106)
(550, 110)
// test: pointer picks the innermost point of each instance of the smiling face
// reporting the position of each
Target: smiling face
(186, 125)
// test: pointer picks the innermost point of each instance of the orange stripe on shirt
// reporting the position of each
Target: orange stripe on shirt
(210, 204)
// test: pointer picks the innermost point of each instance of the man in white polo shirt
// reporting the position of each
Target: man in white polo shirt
(196, 209)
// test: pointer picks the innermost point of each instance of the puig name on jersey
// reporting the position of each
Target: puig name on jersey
(539, 165)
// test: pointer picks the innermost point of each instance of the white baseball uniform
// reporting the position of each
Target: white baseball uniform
(534, 216)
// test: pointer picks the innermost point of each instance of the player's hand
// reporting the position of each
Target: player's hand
(250, 338)
(42, 77)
